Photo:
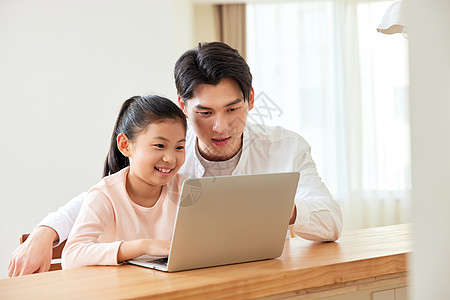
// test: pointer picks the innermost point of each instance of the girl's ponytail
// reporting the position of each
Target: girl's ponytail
(115, 160)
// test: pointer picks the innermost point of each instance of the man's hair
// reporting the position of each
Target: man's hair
(209, 64)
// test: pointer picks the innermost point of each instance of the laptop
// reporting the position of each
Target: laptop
(227, 220)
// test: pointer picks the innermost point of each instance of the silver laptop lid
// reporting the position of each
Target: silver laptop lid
(231, 219)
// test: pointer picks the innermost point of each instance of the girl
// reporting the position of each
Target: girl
(131, 211)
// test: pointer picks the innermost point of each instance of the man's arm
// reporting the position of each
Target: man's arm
(62, 220)
(35, 254)
(319, 217)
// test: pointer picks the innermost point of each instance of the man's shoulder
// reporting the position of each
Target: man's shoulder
(190, 134)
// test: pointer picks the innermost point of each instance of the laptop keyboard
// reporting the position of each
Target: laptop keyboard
(159, 261)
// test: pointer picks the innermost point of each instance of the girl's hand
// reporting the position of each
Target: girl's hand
(157, 247)
(135, 248)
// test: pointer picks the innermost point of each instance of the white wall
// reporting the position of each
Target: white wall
(204, 23)
(65, 69)
(429, 37)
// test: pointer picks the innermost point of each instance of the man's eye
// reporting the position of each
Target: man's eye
(204, 113)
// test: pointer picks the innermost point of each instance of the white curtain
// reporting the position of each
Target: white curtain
(321, 69)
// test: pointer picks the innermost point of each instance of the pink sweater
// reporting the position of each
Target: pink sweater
(108, 217)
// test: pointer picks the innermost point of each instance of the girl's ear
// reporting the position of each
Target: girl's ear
(124, 145)
(182, 105)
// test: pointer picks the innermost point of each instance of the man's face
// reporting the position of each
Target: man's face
(218, 114)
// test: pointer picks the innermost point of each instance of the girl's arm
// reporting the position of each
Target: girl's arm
(83, 247)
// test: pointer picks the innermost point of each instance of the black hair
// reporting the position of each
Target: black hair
(135, 115)
(209, 64)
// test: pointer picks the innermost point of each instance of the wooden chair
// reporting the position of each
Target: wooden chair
(56, 257)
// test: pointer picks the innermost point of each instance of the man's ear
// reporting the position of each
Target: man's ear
(251, 99)
(124, 145)
(182, 105)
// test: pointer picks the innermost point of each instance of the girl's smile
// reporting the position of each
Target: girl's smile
(164, 171)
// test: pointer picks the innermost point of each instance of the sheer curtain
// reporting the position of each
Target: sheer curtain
(321, 69)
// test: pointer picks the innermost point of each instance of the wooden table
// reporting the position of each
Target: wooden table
(362, 258)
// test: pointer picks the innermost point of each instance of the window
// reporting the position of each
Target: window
(321, 69)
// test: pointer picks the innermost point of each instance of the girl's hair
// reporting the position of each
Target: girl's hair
(135, 115)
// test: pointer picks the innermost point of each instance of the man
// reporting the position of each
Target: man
(214, 87)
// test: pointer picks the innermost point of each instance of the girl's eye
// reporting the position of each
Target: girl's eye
(159, 146)
(180, 148)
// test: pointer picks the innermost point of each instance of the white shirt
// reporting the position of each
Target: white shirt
(265, 150)
(218, 168)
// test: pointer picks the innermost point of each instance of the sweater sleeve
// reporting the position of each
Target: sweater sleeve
(319, 217)
(83, 247)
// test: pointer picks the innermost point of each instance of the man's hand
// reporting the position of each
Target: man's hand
(35, 254)
(293, 215)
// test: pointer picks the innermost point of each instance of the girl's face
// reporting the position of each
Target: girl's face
(157, 153)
